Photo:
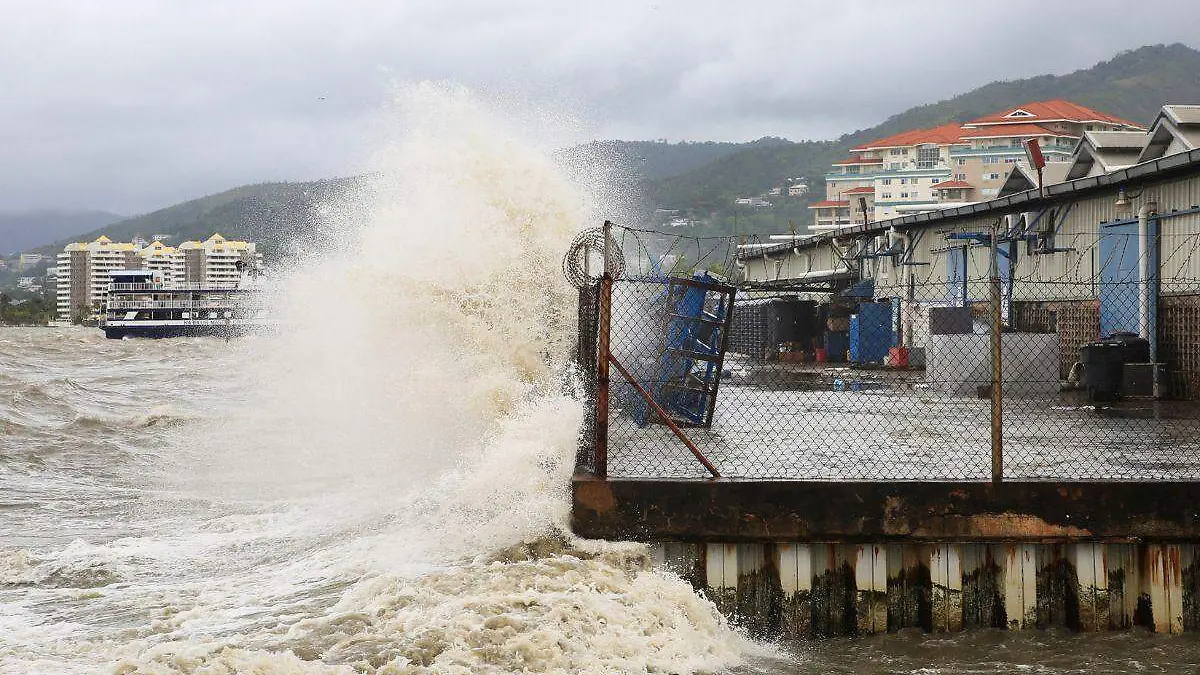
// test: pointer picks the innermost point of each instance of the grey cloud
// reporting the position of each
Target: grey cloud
(130, 105)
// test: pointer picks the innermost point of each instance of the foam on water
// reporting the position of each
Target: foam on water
(381, 487)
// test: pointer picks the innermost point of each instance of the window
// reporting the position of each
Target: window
(887, 181)
(894, 166)
(903, 195)
(904, 181)
(993, 176)
(934, 181)
(895, 152)
(962, 161)
(886, 195)
(1010, 160)
(927, 158)
(960, 176)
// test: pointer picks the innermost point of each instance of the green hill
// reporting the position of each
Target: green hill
(271, 214)
(702, 180)
(1132, 85)
(26, 229)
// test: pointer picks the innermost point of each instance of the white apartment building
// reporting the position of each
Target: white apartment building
(906, 172)
(83, 268)
(216, 261)
(82, 273)
(157, 256)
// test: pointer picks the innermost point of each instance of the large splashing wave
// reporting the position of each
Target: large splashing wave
(382, 488)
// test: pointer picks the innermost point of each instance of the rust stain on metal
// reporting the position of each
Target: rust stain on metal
(596, 495)
(1001, 525)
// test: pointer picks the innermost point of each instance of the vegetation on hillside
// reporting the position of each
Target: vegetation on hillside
(699, 181)
(272, 214)
(30, 228)
(31, 310)
(653, 160)
(1133, 85)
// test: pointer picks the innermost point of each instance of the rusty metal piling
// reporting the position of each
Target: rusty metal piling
(603, 326)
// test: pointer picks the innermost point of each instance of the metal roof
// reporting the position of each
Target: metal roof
(1183, 114)
(1184, 162)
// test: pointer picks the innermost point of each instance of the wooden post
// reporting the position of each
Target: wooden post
(603, 326)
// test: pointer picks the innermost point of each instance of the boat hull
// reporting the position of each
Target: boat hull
(169, 331)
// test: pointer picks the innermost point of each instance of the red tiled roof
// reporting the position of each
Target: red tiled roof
(828, 204)
(947, 133)
(1056, 109)
(860, 160)
(953, 184)
(1004, 130)
(866, 189)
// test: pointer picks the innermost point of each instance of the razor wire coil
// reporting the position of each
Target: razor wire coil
(577, 263)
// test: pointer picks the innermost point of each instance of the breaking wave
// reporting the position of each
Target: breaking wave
(382, 486)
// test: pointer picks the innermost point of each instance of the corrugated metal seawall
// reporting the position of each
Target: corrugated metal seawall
(802, 590)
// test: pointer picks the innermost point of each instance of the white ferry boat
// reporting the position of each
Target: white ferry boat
(140, 303)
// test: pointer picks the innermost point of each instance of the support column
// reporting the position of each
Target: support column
(1164, 577)
(1020, 586)
(1090, 561)
(945, 571)
(833, 607)
(684, 560)
(908, 587)
(738, 584)
(870, 583)
(983, 587)
(720, 575)
(795, 565)
(1124, 584)
(1189, 562)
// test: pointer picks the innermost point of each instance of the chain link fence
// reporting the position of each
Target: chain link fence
(890, 371)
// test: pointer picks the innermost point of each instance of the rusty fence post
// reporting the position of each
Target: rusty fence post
(997, 372)
(603, 326)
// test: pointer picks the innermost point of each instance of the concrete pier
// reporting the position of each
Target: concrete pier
(820, 559)
(822, 589)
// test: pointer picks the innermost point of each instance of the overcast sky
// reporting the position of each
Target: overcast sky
(131, 105)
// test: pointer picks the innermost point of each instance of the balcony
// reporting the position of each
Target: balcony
(998, 150)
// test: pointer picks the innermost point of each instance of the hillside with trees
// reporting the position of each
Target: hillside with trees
(271, 214)
(699, 182)
(1133, 85)
(27, 229)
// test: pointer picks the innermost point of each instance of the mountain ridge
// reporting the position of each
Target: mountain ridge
(24, 229)
(701, 180)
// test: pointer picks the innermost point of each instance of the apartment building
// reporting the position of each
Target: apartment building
(83, 268)
(216, 261)
(157, 256)
(927, 169)
(82, 273)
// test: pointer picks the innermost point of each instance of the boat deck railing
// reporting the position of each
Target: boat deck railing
(190, 286)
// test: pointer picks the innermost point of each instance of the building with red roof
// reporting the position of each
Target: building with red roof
(922, 168)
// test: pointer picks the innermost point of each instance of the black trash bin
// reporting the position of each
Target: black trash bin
(1104, 362)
